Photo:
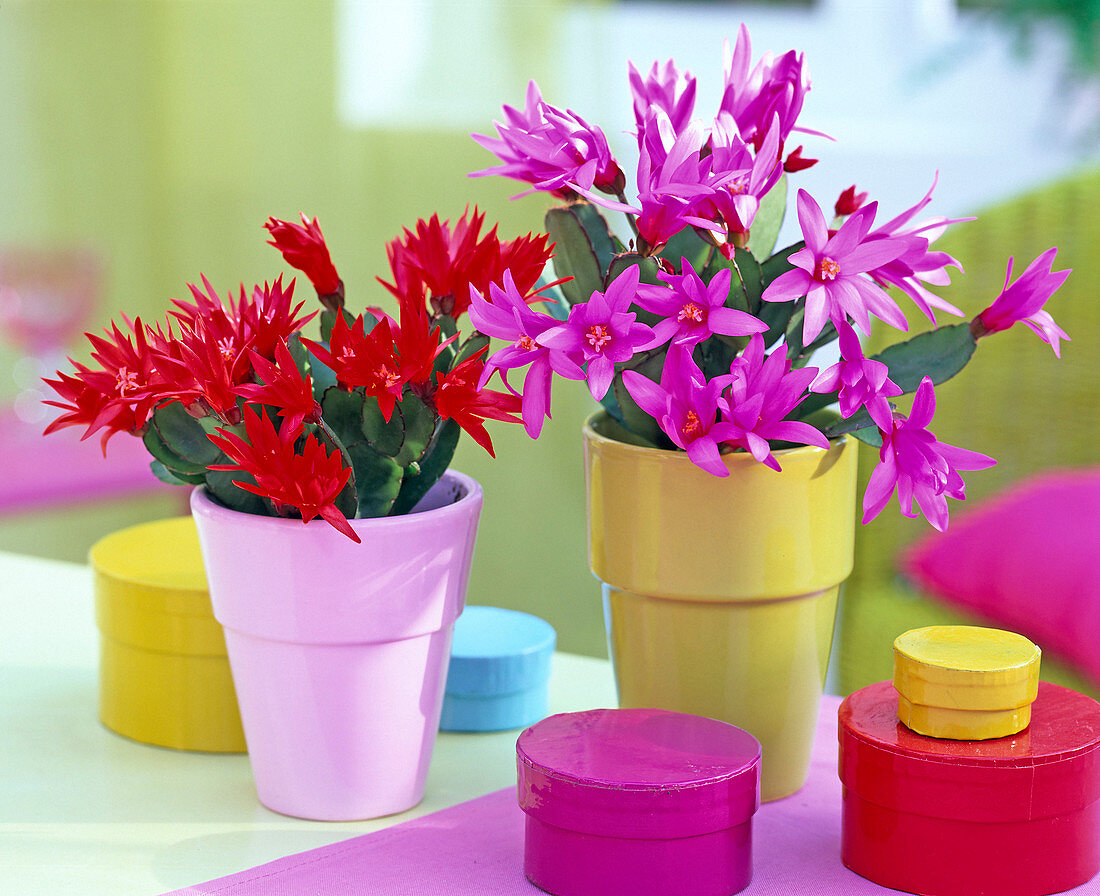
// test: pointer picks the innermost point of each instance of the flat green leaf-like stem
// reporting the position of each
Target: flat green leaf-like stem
(220, 484)
(420, 423)
(184, 436)
(604, 245)
(574, 255)
(434, 464)
(377, 480)
(939, 353)
(769, 219)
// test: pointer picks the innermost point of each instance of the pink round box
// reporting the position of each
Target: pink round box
(638, 802)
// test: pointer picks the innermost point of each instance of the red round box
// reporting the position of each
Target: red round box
(1014, 816)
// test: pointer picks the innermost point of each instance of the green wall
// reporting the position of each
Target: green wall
(165, 133)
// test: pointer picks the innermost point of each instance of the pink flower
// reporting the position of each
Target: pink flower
(550, 149)
(773, 87)
(672, 178)
(509, 317)
(686, 407)
(603, 331)
(861, 382)
(918, 466)
(666, 88)
(918, 264)
(693, 310)
(740, 179)
(830, 272)
(762, 392)
(1024, 300)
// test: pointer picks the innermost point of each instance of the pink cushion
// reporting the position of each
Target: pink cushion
(1028, 561)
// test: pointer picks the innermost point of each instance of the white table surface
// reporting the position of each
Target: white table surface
(84, 811)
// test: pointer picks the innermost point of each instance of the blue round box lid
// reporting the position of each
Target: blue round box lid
(498, 651)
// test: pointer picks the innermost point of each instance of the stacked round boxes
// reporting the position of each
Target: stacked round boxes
(984, 806)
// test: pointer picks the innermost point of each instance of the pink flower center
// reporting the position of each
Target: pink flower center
(227, 349)
(388, 378)
(692, 427)
(691, 312)
(126, 381)
(739, 186)
(827, 269)
(598, 336)
(527, 344)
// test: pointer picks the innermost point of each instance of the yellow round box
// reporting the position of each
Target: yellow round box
(163, 672)
(965, 682)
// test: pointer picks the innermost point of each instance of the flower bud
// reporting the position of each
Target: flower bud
(849, 202)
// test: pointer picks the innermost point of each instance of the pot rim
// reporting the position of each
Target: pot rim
(203, 504)
(591, 434)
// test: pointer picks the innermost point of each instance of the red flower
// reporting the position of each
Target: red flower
(303, 247)
(283, 387)
(309, 482)
(417, 342)
(204, 367)
(258, 321)
(364, 359)
(211, 356)
(458, 398)
(121, 394)
(441, 263)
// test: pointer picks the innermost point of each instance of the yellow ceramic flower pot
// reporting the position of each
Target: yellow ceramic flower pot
(163, 673)
(720, 594)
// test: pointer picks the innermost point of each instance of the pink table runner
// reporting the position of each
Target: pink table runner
(476, 849)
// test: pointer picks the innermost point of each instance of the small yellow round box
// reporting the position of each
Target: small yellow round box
(163, 672)
(964, 682)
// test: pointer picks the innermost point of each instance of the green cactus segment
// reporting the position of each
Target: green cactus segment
(649, 365)
(377, 481)
(174, 477)
(603, 243)
(384, 436)
(687, 244)
(574, 255)
(432, 465)
(179, 441)
(476, 343)
(777, 264)
(746, 284)
(376, 477)
(860, 425)
(220, 484)
(939, 353)
(419, 421)
(323, 376)
(647, 268)
(298, 354)
(769, 219)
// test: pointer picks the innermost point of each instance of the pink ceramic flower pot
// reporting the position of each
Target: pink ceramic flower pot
(339, 650)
